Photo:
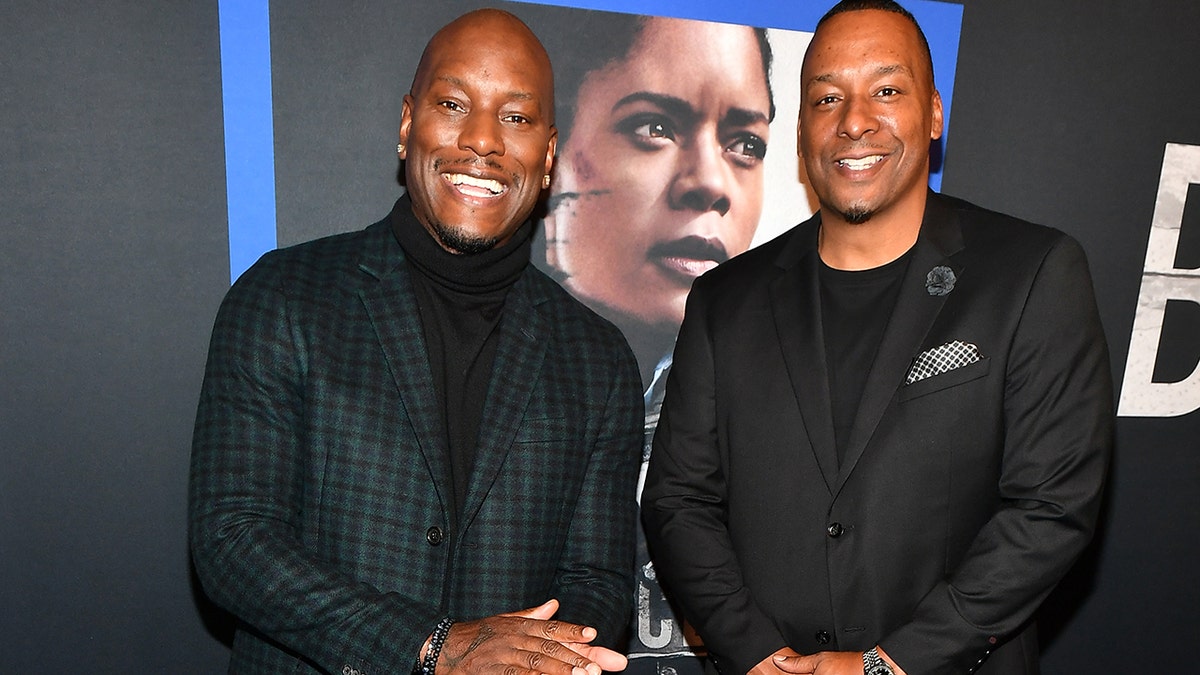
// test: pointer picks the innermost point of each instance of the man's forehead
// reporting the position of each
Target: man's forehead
(479, 38)
(872, 69)
(879, 42)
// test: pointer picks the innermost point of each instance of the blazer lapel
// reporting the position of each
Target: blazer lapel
(519, 357)
(391, 305)
(796, 305)
(913, 315)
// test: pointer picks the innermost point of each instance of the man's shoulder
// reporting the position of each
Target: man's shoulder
(992, 232)
(1000, 246)
(310, 266)
(329, 252)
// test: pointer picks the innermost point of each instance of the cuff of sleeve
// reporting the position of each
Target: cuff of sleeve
(393, 641)
(938, 639)
(747, 650)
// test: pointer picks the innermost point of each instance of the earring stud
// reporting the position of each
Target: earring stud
(545, 181)
(399, 148)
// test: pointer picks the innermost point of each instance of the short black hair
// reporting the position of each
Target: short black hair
(883, 6)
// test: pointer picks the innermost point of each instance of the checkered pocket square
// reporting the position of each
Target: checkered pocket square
(941, 359)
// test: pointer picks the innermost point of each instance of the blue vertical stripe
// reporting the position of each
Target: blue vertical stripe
(249, 134)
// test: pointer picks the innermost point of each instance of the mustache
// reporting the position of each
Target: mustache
(854, 148)
(467, 163)
(692, 247)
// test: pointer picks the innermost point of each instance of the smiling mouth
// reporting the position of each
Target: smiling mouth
(860, 164)
(475, 186)
(689, 257)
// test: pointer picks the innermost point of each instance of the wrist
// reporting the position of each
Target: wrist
(432, 649)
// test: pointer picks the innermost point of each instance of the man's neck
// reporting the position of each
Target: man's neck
(863, 246)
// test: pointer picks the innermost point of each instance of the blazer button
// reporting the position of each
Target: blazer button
(823, 637)
(835, 530)
(435, 536)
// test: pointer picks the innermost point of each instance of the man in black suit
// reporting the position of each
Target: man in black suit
(410, 425)
(886, 432)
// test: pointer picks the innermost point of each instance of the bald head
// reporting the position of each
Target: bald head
(488, 29)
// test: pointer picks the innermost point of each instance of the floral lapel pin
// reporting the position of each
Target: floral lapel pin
(940, 280)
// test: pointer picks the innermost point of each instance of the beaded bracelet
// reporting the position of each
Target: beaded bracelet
(436, 640)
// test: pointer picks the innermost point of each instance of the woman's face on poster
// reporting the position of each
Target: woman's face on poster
(661, 175)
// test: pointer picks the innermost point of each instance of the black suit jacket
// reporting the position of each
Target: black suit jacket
(321, 495)
(962, 499)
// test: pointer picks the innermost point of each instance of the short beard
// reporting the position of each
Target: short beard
(857, 215)
(460, 242)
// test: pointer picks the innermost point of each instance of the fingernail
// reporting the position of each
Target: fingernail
(578, 671)
(780, 657)
(589, 632)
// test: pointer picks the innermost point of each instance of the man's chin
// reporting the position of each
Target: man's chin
(459, 240)
(857, 215)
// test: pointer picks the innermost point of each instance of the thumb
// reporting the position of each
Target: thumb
(544, 611)
(794, 663)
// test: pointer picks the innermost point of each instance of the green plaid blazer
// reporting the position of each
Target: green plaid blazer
(320, 493)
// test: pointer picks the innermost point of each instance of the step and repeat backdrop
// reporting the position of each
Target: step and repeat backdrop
(150, 152)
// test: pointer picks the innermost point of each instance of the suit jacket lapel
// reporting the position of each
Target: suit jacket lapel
(796, 305)
(519, 357)
(391, 305)
(914, 314)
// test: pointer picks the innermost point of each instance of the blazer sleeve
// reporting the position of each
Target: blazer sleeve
(1058, 424)
(684, 507)
(245, 493)
(594, 580)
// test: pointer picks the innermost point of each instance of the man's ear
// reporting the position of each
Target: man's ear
(405, 125)
(799, 131)
(551, 148)
(936, 108)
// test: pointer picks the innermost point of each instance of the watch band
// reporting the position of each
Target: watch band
(873, 663)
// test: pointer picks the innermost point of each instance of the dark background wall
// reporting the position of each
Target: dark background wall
(114, 256)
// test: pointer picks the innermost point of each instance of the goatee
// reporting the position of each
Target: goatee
(460, 242)
(857, 215)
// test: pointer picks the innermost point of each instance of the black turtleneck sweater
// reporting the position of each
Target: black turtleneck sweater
(461, 300)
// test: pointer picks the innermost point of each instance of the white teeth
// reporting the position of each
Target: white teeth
(483, 183)
(860, 164)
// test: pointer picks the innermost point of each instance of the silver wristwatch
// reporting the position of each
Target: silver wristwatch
(873, 664)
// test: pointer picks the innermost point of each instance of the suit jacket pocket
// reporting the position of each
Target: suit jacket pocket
(950, 378)
(545, 430)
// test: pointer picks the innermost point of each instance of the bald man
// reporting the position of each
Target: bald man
(414, 451)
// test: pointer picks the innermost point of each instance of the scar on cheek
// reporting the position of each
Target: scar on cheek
(564, 199)
(584, 169)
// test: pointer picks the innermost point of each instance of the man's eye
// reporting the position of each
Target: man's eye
(889, 91)
(827, 100)
(749, 147)
(516, 119)
(451, 105)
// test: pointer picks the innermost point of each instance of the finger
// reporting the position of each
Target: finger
(551, 657)
(607, 659)
(544, 611)
(561, 631)
(597, 659)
